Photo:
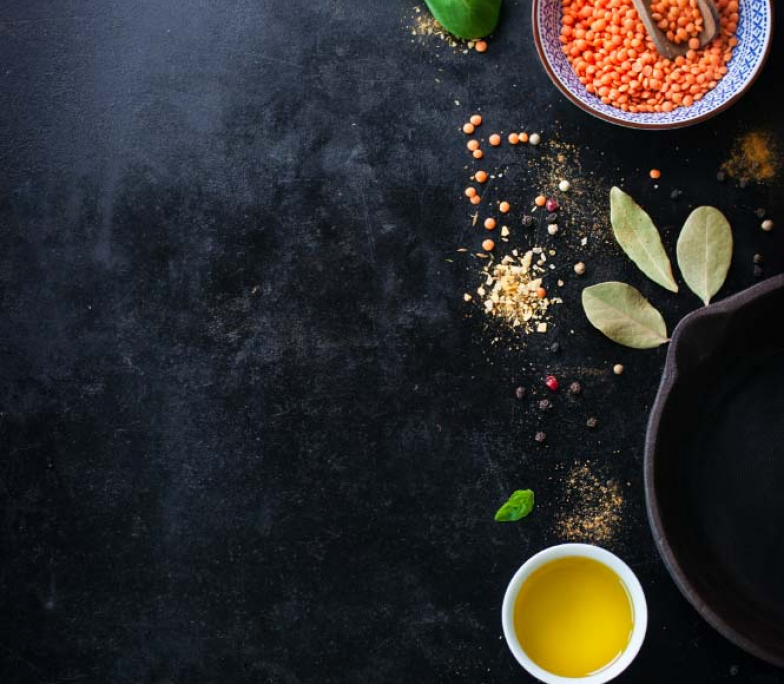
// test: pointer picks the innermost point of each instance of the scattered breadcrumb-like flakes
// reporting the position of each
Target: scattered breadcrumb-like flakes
(592, 507)
(509, 291)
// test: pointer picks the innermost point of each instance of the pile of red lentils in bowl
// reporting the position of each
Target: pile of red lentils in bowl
(614, 58)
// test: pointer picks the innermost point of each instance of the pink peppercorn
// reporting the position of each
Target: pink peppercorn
(551, 205)
(551, 382)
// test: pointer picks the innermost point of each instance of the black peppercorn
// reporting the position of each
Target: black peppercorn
(758, 258)
(528, 221)
(555, 347)
(743, 182)
(545, 404)
(520, 392)
(540, 437)
(720, 176)
(552, 218)
(757, 271)
(760, 213)
(592, 422)
(575, 388)
(676, 194)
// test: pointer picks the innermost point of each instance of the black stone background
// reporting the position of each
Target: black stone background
(248, 433)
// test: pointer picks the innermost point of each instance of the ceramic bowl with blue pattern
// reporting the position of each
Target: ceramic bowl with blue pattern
(755, 28)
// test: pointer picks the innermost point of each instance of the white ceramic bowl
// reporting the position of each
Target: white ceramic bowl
(755, 30)
(639, 607)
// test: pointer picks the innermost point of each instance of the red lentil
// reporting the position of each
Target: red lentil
(680, 20)
(615, 59)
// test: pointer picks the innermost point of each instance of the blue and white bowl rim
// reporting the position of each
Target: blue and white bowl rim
(755, 29)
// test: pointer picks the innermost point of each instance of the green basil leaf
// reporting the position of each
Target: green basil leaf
(705, 251)
(624, 315)
(466, 18)
(519, 505)
(637, 235)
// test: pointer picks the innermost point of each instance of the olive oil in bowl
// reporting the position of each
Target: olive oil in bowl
(573, 616)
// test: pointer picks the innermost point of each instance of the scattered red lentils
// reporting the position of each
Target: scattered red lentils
(476, 119)
(494, 140)
(488, 245)
(472, 145)
(540, 201)
(477, 154)
(513, 138)
(504, 207)
(468, 128)
(541, 293)
(490, 223)
(480, 176)
(655, 174)
(523, 137)
(615, 59)
(470, 192)
(476, 199)
(480, 46)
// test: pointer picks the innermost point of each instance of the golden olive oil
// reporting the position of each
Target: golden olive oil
(573, 616)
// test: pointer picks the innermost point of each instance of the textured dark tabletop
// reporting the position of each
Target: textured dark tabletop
(248, 432)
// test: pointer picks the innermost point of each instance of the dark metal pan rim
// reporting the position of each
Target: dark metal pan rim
(725, 308)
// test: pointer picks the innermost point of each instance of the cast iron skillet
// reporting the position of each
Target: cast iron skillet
(714, 466)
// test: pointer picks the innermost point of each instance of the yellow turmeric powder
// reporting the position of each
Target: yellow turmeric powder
(754, 158)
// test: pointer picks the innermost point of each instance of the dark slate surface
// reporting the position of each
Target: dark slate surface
(247, 432)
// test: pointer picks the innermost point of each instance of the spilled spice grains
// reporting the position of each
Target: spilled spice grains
(593, 508)
(512, 290)
(755, 157)
(425, 26)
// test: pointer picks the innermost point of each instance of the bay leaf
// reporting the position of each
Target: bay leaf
(624, 315)
(638, 237)
(466, 18)
(705, 251)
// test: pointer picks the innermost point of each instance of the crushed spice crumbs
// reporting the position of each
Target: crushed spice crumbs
(754, 157)
(593, 507)
(510, 291)
(425, 28)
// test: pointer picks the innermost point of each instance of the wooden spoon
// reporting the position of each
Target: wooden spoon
(668, 49)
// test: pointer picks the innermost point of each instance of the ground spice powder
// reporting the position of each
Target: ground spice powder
(754, 158)
(593, 507)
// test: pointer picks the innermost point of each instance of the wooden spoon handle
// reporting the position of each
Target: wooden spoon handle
(668, 49)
